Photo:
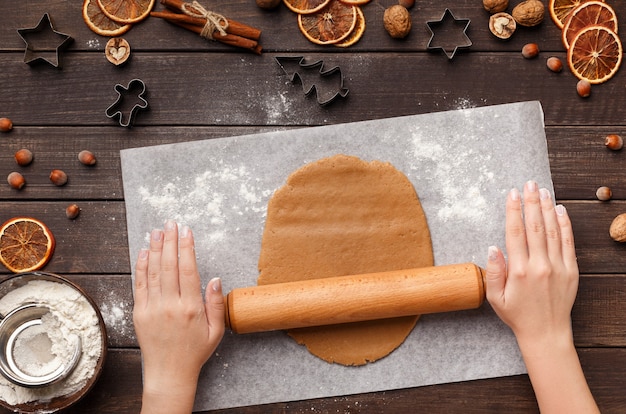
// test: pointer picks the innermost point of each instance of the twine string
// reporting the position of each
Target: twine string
(214, 21)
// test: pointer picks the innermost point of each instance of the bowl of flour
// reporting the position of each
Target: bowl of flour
(70, 314)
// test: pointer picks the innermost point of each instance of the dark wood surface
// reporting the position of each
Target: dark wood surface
(199, 89)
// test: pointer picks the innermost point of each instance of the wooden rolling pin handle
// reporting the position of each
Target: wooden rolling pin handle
(355, 298)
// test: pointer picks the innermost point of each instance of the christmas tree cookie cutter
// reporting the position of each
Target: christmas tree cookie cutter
(448, 34)
(43, 43)
(328, 84)
(123, 108)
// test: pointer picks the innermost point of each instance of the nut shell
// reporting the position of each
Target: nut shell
(554, 64)
(6, 124)
(23, 157)
(72, 211)
(604, 193)
(16, 180)
(502, 25)
(58, 177)
(530, 50)
(406, 3)
(117, 51)
(86, 157)
(397, 21)
(529, 13)
(614, 142)
(617, 231)
(495, 6)
(583, 88)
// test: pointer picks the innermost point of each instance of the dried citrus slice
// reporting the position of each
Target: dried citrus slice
(330, 25)
(98, 22)
(560, 9)
(595, 54)
(26, 244)
(355, 2)
(357, 32)
(592, 13)
(126, 11)
(305, 6)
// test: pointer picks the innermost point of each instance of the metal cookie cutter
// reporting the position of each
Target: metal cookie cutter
(130, 100)
(12, 326)
(448, 34)
(327, 84)
(43, 43)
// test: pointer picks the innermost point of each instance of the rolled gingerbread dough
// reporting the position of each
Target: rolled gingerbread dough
(342, 216)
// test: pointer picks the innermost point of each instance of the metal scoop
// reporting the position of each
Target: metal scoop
(11, 326)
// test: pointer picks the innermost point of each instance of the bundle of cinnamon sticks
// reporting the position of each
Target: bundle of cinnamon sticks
(229, 32)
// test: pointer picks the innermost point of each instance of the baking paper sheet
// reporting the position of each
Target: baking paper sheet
(462, 164)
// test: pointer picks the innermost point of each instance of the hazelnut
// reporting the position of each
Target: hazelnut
(495, 6)
(86, 157)
(72, 211)
(614, 142)
(604, 193)
(502, 25)
(397, 21)
(58, 177)
(617, 231)
(5, 124)
(554, 64)
(23, 157)
(16, 180)
(406, 3)
(529, 13)
(530, 50)
(583, 88)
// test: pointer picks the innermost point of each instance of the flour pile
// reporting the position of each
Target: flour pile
(42, 348)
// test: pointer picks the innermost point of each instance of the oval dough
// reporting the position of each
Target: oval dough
(341, 216)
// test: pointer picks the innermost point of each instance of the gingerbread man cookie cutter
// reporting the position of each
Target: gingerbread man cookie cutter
(123, 108)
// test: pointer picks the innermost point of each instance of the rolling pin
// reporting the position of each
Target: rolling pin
(355, 298)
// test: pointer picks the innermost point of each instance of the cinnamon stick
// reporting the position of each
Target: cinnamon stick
(234, 27)
(238, 28)
(229, 39)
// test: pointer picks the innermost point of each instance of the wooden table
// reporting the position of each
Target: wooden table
(199, 89)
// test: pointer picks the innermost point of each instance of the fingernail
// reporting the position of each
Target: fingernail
(170, 225)
(531, 186)
(216, 284)
(544, 194)
(184, 232)
(560, 210)
(143, 254)
(514, 194)
(157, 235)
(492, 253)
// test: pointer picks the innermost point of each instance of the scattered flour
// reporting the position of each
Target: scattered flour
(70, 314)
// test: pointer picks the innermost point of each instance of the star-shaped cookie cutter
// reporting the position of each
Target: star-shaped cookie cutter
(119, 109)
(450, 36)
(43, 41)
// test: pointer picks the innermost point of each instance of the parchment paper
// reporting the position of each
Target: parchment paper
(462, 164)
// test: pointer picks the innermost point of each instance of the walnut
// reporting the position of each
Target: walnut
(529, 13)
(495, 6)
(502, 25)
(617, 230)
(397, 21)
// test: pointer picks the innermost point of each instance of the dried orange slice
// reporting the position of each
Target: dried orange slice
(126, 11)
(595, 54)
(305, 6)
(560, 9)
(330, 25)
(355, 2)
(592, 13)
(99, 23)
(357, 32)
(26, 244)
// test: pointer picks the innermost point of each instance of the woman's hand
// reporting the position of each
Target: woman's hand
(177, 330)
